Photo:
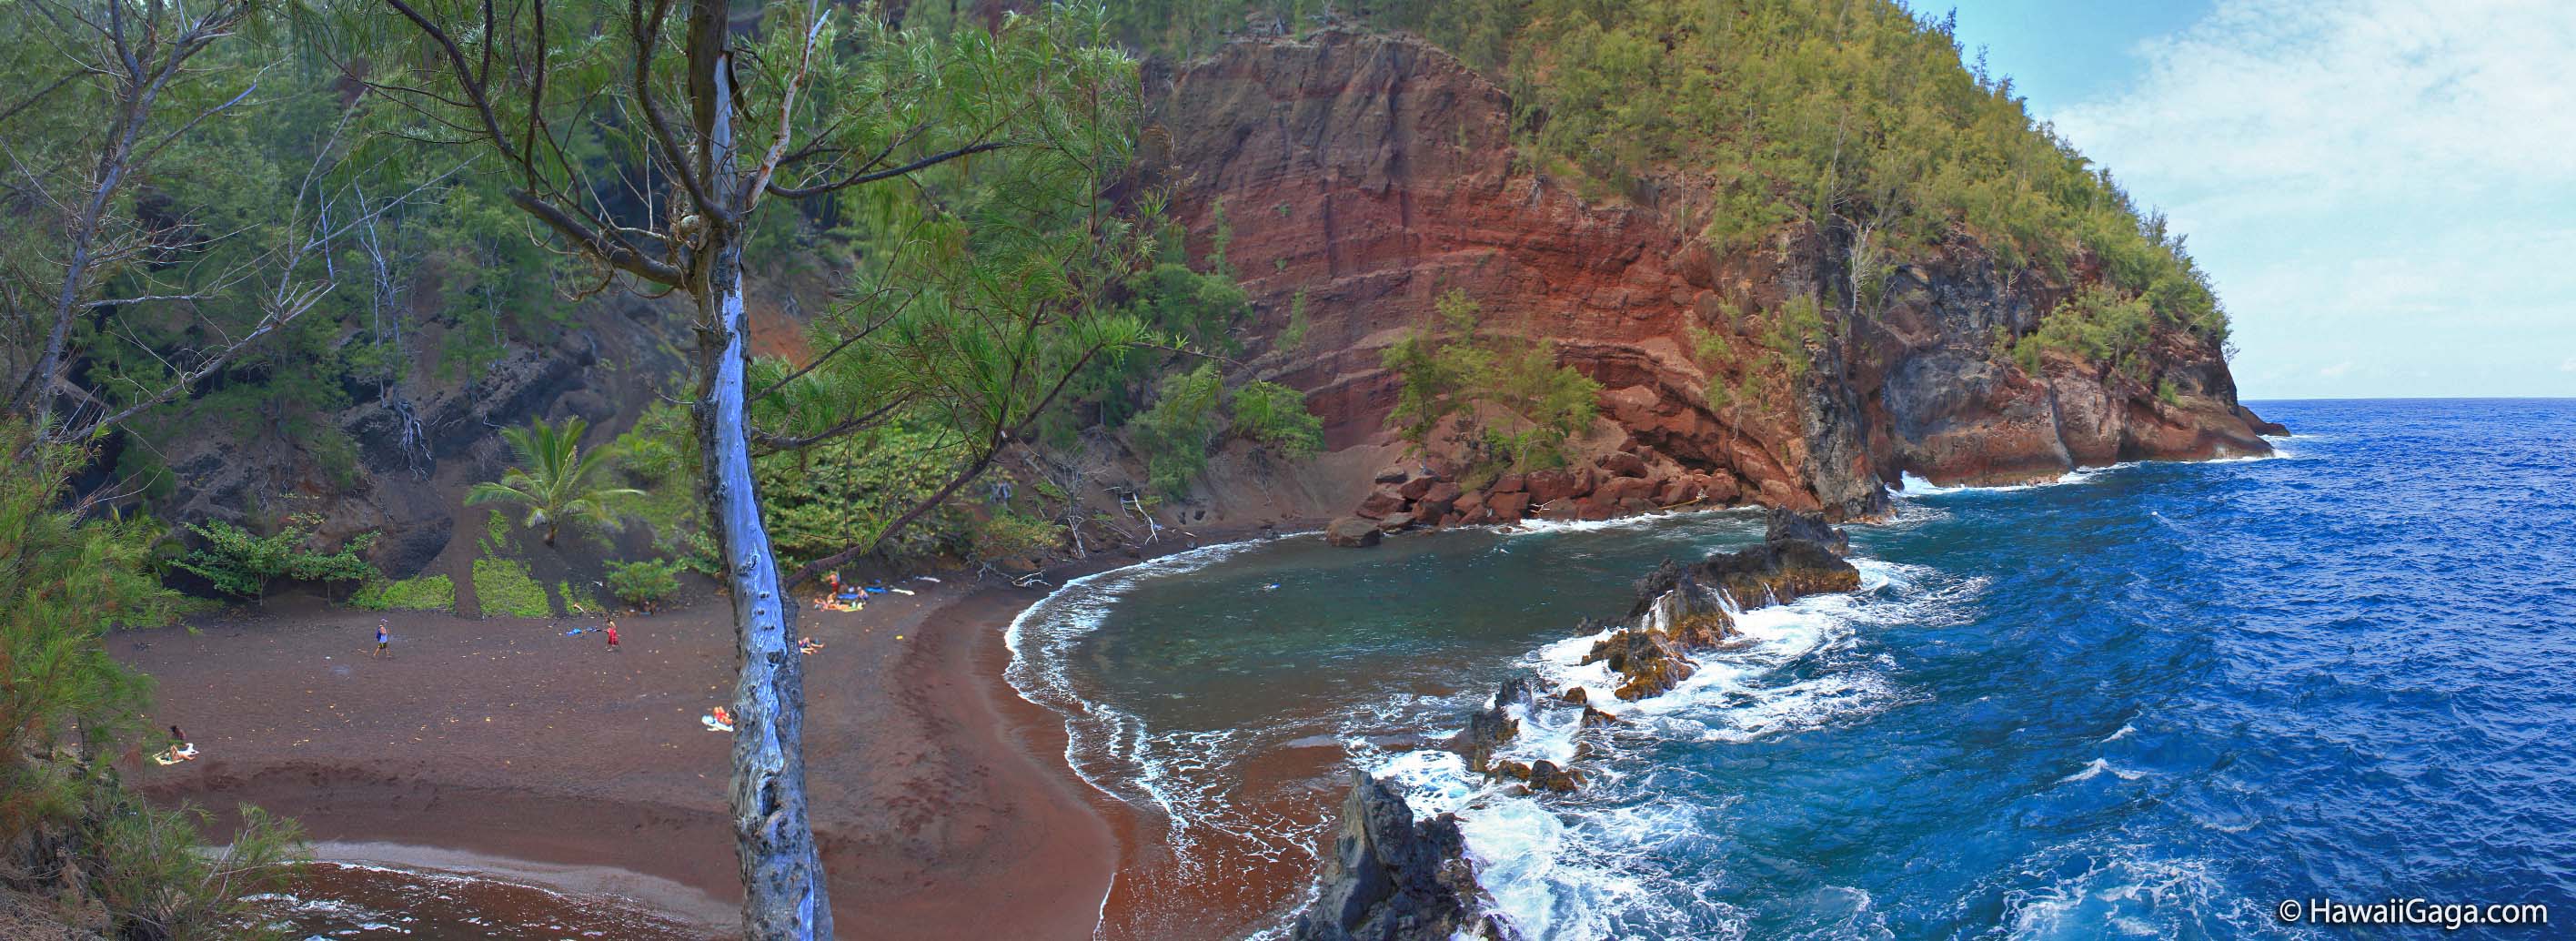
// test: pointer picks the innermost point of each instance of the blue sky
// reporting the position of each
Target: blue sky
(2383, 190)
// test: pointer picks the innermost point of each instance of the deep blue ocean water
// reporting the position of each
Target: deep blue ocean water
(2148, 701)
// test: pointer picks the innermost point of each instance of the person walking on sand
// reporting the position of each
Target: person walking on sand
(612, 635)
(384, 638)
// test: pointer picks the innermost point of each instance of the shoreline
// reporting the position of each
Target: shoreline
(941, 797)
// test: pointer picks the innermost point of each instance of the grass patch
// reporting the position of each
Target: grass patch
(426, 593)
(577, 600)
(503, 586)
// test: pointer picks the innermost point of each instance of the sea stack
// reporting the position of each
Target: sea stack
(1392, 878)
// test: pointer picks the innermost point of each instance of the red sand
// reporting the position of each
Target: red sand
(940, 797)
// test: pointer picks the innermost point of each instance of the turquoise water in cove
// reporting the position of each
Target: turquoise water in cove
(2151, 700)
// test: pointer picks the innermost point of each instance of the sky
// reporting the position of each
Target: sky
(2384, 191)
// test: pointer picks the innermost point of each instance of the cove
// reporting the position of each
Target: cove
(2148, 700)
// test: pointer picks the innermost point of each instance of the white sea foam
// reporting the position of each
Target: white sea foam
(2095, 768)
(1538, 526)
(1596, 864)
(1110, 748)
(2125, 891)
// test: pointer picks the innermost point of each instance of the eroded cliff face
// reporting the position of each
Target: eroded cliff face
(1367, 174)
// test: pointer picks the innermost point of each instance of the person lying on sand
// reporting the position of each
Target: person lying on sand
(180, 749)
(718, 721)
(807, 645)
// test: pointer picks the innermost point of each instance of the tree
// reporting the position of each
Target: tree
(240, 564)
(643, 583)
(697, 117)
(1514, 407)
(117, 294)
(555, 481)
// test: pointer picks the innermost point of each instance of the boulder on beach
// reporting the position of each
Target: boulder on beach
(1352, 532)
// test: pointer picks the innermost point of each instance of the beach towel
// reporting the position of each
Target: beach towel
(713, 725)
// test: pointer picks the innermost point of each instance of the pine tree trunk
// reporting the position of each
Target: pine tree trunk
(784, 896)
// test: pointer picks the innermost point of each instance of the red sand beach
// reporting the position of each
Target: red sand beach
(940, 797)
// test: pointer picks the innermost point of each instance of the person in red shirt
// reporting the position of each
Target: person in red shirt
(612, 636)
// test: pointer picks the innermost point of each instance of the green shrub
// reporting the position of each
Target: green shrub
(240, 564)
(425, 593)
(844, 492)
(2098, 324)
(1512, 404)
(158, 878)
(643, 584)
(1175, 434)
(1009, 535)
(503, 586)
(1276, 416)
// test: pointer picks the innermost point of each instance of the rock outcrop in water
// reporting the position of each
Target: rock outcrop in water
(1359, 176)
(1680, 609)
(1491, 728)
(1390, 877)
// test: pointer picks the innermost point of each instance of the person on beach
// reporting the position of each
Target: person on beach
(384, 638)
(612, 635)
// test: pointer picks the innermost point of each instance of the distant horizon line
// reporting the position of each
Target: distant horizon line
(2417, 398)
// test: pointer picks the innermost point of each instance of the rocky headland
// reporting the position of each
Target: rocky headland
(1357, 176)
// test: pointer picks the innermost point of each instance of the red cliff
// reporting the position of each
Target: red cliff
(1369, 173)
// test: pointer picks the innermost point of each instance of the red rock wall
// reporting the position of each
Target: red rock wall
(1370, 174)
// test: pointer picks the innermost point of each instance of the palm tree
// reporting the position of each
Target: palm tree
(555, 480)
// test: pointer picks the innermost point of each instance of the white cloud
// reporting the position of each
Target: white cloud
(2569, 365)
(2299, 100)
(2381, 182)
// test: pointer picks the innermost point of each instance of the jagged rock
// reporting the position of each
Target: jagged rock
(2260, 426)
(1778, 572)
(1645, 658)
(1392, 878)
(1674, 599)
(1437, 503)
(1781, 524)
(1545, 775)
(1595, 718)
(1351, 532)
(1396, 523)
(1575, 696)
(1392, 475)
(1623, 464)
(1507, 507)
(1415, 489)
(1493, 727)
(1509, 483)
(1379, 505)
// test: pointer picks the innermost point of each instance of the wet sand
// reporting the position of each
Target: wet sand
(940, 797)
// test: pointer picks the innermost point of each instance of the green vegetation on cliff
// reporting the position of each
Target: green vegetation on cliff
(1857, 123)
(1511, 406)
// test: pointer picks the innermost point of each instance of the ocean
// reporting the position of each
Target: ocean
(2151, 700)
